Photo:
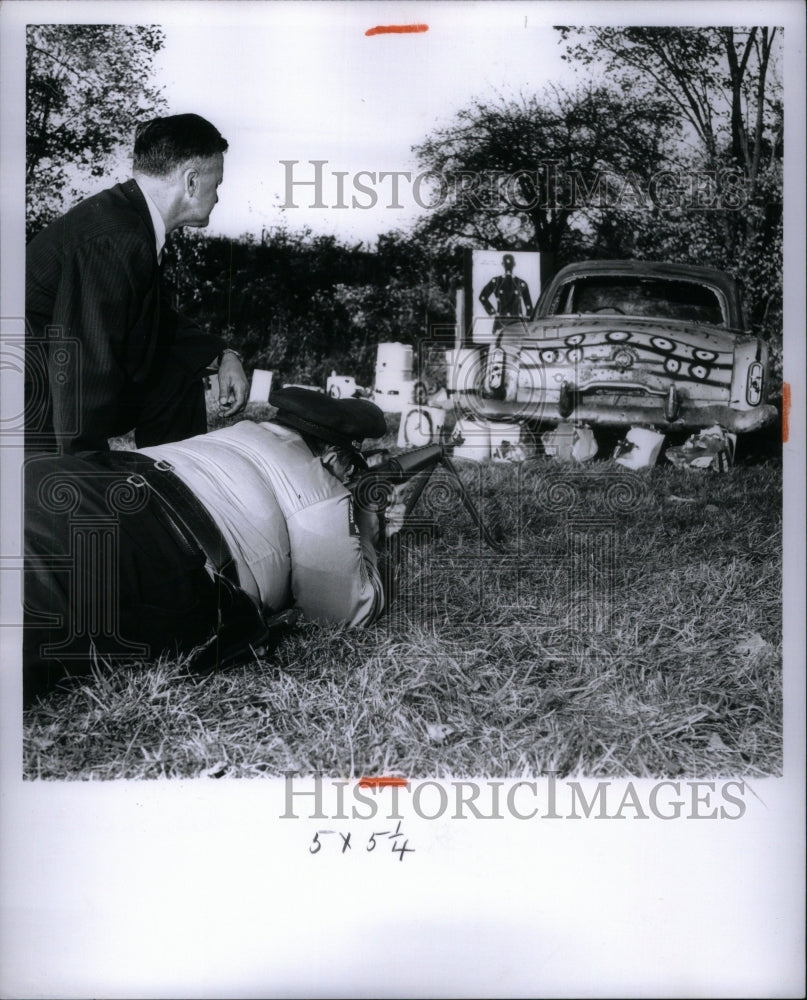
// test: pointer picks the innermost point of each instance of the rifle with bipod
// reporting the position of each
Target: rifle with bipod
(373, 488)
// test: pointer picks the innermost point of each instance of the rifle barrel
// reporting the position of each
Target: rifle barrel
(416, 460)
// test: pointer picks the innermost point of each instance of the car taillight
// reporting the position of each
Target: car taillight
(496, 368)
(753, 383)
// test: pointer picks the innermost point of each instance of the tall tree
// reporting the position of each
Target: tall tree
(88, 85)
(520, 173)
(722, 82)
(723, 85)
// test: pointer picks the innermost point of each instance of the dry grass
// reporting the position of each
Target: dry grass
(646, 643)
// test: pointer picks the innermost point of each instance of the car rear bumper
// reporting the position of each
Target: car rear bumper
(617, 413)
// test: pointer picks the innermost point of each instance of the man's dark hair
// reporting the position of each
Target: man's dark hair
(163, 144)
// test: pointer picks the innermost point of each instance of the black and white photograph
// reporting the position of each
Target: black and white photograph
(402, 476)
(503, 288)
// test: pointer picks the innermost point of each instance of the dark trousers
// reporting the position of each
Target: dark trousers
(105, 572)
(168, 406)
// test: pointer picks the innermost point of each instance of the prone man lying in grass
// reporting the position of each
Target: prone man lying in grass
(192, 547)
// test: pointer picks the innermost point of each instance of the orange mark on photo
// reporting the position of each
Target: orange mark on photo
(383, 782)
(397, 29)
(785, 411)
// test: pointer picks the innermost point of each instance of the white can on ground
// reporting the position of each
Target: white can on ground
(471, 439)
(260, 386)
(643, 448)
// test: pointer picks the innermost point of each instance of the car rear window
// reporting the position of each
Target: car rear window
(636, 296)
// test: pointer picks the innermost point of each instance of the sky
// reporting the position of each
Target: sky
(302, 81)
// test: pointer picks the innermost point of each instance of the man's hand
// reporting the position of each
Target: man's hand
(395, 513)
(370, 523)
(232, 385)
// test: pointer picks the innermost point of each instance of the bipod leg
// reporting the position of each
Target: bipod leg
(416, 487)
(470, 506)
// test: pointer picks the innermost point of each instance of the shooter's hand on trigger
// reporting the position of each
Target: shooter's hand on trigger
(395, 513)
(392, 518)
(233, 386)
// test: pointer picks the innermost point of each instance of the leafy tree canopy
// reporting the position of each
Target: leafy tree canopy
(723, 82)
(723, 85)
(88, 85)
(513, 171)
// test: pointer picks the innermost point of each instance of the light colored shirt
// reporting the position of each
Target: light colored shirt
(157, 222)
(288, 522)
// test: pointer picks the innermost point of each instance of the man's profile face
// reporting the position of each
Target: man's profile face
(338, 462)
(209, 175)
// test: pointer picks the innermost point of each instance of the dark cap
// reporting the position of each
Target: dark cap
(343, 422)
(508, 259)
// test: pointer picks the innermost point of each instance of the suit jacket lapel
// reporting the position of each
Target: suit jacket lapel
(131, 191)
(142, 354)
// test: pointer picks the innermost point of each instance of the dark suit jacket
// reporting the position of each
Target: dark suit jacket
(98, 324)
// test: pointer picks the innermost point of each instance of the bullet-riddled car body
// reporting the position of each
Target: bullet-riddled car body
(620, 343)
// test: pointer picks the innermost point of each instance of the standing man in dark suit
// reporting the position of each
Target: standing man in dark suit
(105, 351)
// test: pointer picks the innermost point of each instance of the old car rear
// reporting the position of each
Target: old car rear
(621, 343)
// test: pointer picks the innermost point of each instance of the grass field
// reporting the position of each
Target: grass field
(631, 627)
